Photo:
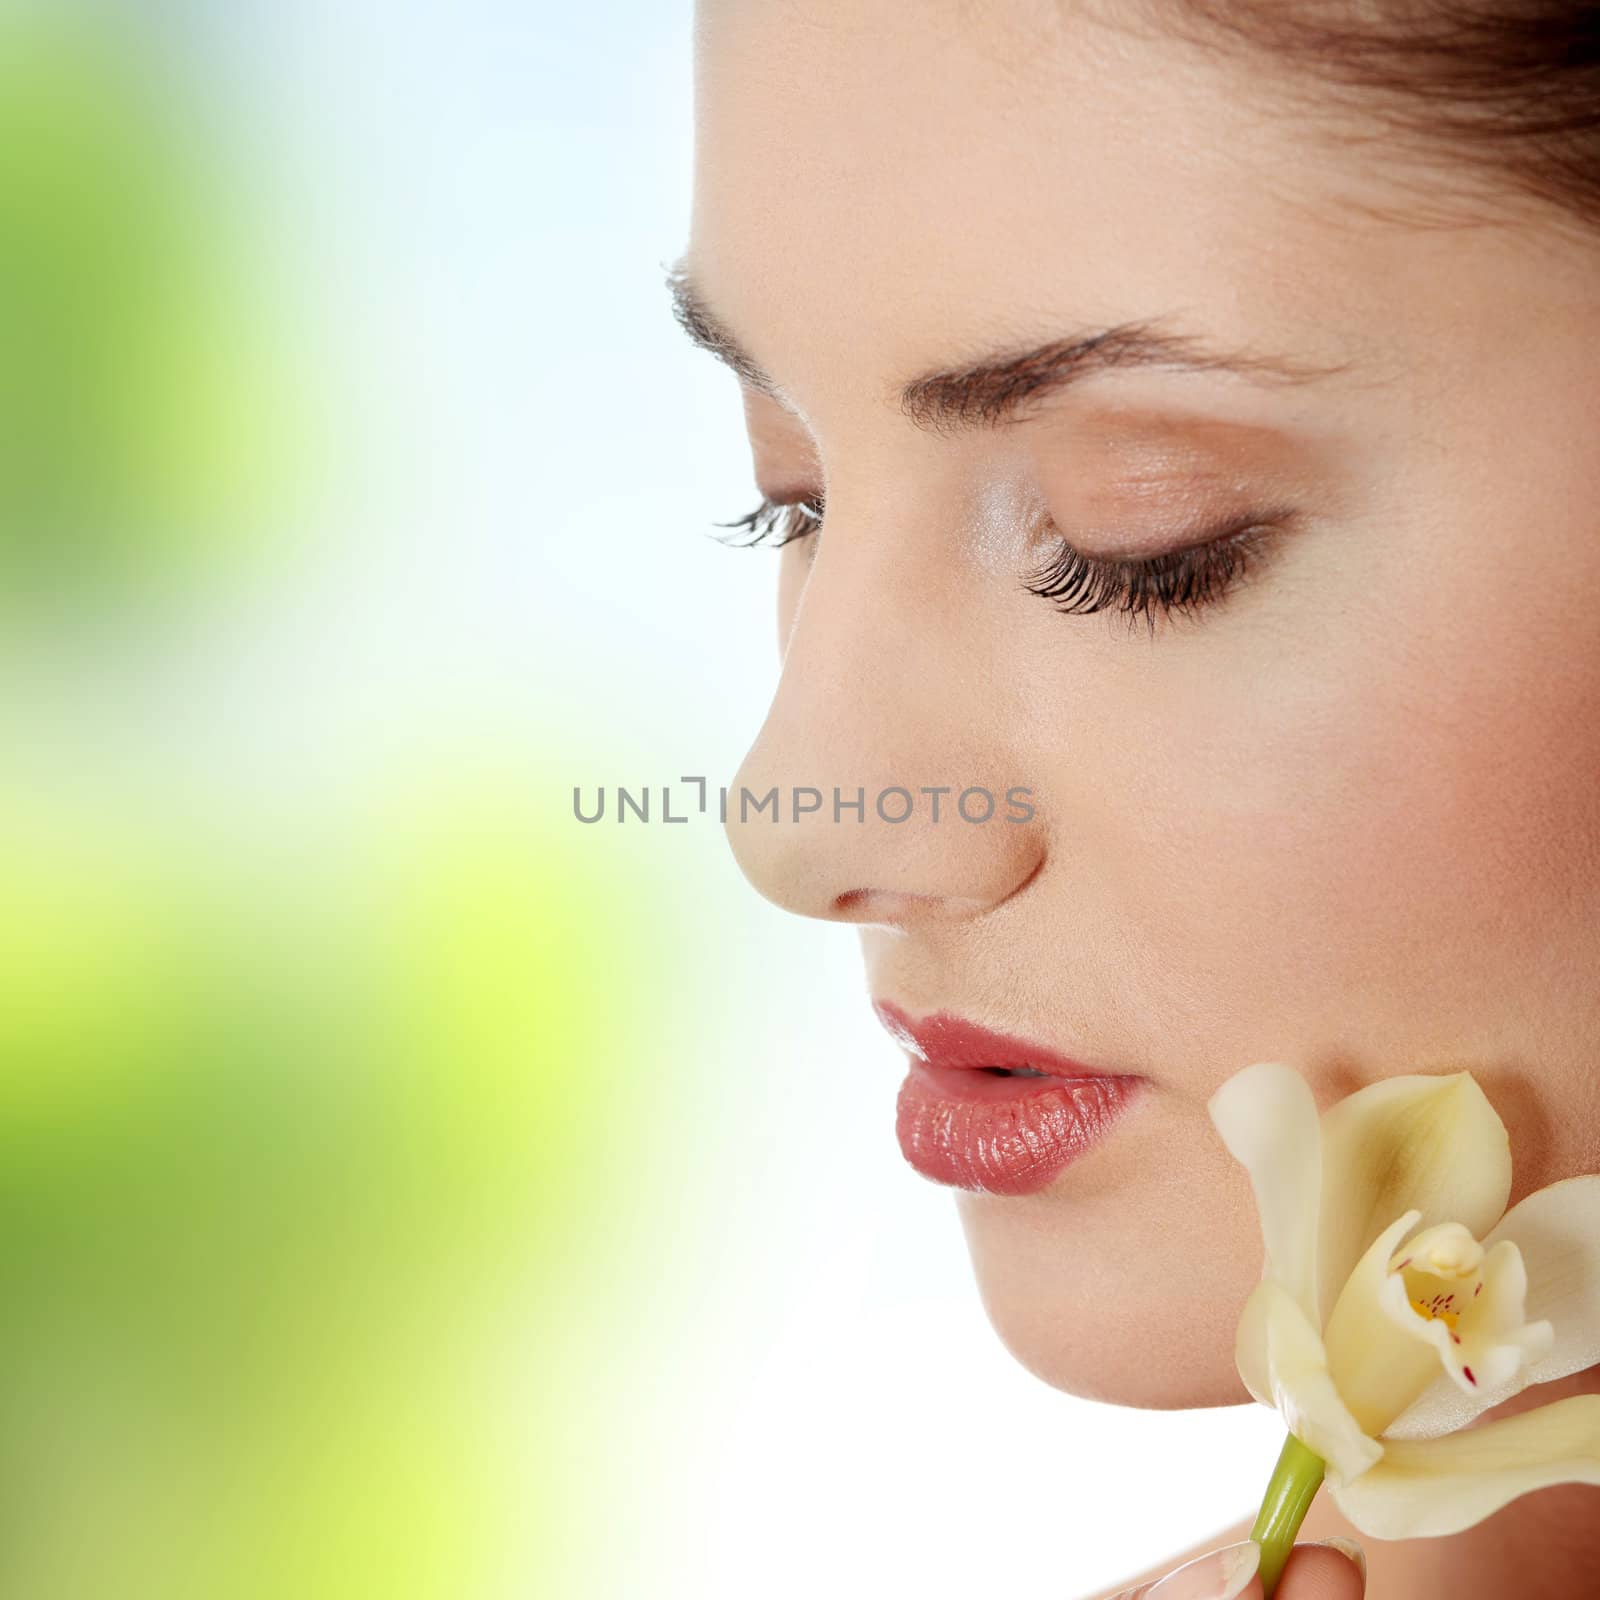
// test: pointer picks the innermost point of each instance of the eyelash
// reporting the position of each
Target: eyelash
(1175, 582)
(775, 524)
(1178, 581)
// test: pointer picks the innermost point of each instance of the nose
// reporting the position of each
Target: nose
(887, 783)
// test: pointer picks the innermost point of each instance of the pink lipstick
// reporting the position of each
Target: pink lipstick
(982, 1110)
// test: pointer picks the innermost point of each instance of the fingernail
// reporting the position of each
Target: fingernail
(1348, 1547)
(1218, 1576)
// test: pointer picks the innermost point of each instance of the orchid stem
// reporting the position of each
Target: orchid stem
(1294, 1484)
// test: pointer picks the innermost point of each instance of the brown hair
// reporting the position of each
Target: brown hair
(1509, 87)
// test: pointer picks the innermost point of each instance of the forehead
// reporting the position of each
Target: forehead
(879, 187)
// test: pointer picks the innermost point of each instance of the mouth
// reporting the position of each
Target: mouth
(985, 1111)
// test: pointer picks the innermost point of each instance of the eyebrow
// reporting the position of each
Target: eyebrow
(994, 391)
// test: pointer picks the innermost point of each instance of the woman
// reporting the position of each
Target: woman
(1205, 399)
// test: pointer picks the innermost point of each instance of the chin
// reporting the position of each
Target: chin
(1103, 1318)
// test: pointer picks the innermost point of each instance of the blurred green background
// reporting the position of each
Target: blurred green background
(290, 1154)
(298, 1183)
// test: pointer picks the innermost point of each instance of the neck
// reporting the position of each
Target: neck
(1546, 1543)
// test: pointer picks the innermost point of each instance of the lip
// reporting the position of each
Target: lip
(972, 1129)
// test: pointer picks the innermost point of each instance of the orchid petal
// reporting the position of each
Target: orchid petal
(1301, 1389)
(1430, 1143)
(1250, 1344)
(1427, 1487)
(1268, 1121)
(1379, 1367)
(1557, 1230)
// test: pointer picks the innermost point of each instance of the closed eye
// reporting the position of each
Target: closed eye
(1181, 581)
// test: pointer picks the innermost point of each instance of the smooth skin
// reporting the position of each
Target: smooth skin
(1347, 815)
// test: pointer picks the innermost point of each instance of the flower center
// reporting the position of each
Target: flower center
(1441, 1308)
(1442, 1269)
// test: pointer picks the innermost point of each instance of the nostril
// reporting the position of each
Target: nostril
(873, 905)
(883, 905)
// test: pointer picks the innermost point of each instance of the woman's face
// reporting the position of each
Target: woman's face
(1343, 812)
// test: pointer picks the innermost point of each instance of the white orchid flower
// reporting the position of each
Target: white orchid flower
(1400, 1300)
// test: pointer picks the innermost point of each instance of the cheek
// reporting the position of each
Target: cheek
(1378, 845)
(1371, 853)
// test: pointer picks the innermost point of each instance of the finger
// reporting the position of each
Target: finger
(1226, 1574)
(1336, 1570)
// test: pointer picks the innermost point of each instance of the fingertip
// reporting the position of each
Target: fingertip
(1226, 1574)
(1348, 1547)
(1332, 1569)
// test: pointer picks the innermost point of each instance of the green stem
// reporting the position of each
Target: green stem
(1294, 1484)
